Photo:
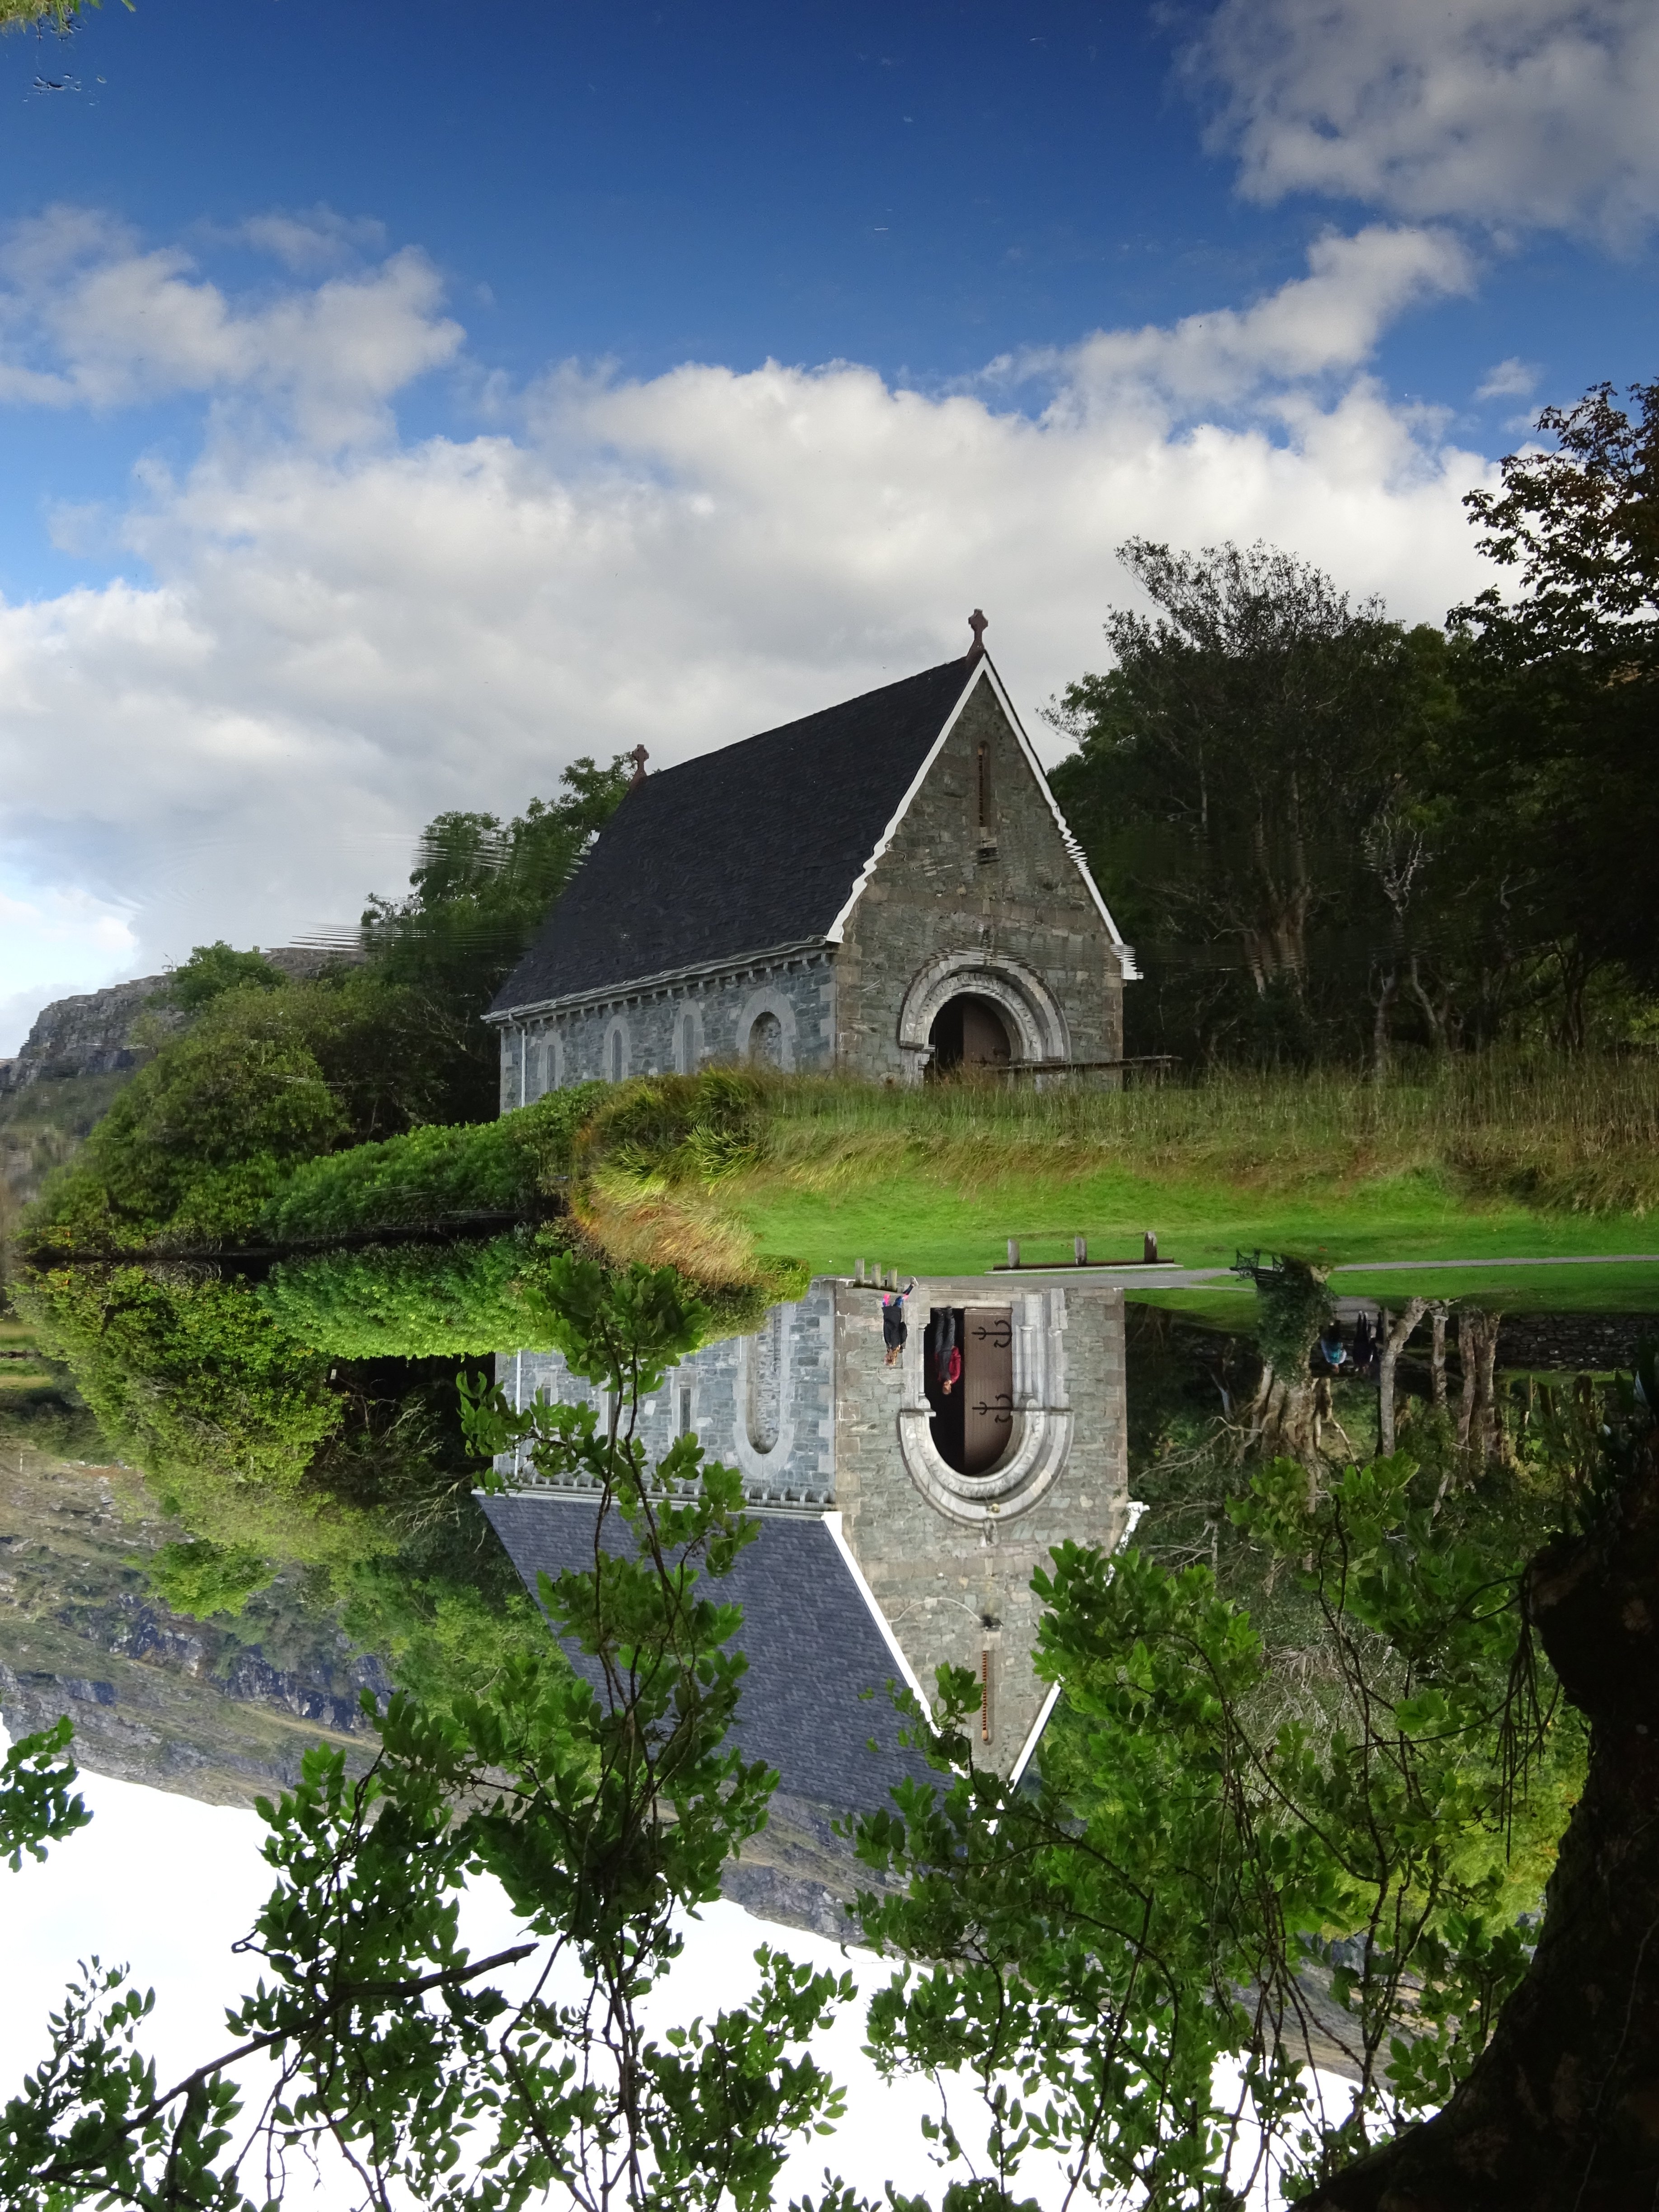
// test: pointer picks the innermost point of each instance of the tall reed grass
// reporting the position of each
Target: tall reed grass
(1576, 1133)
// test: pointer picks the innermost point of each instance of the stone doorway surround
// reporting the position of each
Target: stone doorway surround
(1036, 1027)
(1040, 1434)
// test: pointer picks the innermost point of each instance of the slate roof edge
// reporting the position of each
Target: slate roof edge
(838, 929)
(635, 986)
(769, 1509)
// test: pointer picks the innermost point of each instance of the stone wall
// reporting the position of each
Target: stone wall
(556, 1050)
(1574, 1342)
(764, 1404)
(939, 891)
(952, 1592)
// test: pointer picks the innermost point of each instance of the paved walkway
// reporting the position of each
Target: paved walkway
(1172, 1277)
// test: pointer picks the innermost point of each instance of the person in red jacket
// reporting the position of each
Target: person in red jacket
(947, 1359)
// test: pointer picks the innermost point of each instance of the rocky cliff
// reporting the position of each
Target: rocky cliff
(95, 1034)
(92, 1034)
(223, 1713)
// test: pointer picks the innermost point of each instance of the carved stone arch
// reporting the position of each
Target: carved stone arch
(759, 1004)
(760, 1378)
(1035, 1022)
(1040, 1438)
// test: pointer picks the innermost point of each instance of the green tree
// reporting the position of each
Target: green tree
(213, 969)
(1240, 786)
(480, 889)
(1564, 695)
(603, 1809)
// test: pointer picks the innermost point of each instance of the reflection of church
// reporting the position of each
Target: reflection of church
(898, 1532)
(881, 887)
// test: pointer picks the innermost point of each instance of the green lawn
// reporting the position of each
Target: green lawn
(923, 1223)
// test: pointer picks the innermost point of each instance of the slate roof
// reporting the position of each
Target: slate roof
(754, 846)
(811, 1644)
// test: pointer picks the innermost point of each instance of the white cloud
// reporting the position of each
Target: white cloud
(316, 239)
(1513, 113)
(90, 317)
(335, 644)
(1508, 379)
(1326, 323)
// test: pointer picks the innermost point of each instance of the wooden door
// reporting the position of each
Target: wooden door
(988, 1387)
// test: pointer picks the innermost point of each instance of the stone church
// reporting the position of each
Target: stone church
(900, 1527)
(881, 887)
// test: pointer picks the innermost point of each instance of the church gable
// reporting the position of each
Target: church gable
(979, 907)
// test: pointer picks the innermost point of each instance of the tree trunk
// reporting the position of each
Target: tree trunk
(1477, 1352)
(1438, 1362)
(1388, 1354)
(1382, 1001)
(1560, 2112)
(1431, 1014)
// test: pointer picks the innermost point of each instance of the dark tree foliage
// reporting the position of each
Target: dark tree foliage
(1240, 786)
(213, 969)
(1330, 836)
(1562, 690)
(479, 891)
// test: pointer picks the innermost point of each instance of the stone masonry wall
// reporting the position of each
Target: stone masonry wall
(932, 894)
(764, 1404)
(551, 1052)
(939, 1581)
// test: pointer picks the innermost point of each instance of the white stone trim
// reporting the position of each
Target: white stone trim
(832, 1522)
(1034, 1736)
(983, 668)
(838, 929)
(1125, 952)
(768, 1001)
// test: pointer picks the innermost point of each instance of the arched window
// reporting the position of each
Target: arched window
(688, 1043)
(766, 1041)
(615, 1055)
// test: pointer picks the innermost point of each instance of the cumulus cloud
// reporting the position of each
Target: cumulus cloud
(88, 317)
(331, 644)
(1513, 113)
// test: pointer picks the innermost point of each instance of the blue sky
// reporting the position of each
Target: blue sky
(395, 403)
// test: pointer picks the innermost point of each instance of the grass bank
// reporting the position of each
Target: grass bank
(1487, 1160)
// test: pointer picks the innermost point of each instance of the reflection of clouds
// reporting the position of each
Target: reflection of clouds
(341, 641)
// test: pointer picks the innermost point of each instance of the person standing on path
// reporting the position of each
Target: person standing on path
(893, 1329)
(947, 1359)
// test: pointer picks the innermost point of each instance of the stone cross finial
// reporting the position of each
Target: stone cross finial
(977, 624)
(639, 757)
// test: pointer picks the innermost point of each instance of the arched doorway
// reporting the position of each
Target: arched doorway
(972, 1422)
(968, 1032)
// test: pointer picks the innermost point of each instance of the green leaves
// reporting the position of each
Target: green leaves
(1211, 1871)
(36, 1808)
(605, 1805)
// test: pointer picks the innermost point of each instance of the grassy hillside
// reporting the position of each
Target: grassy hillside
(1484, 1161)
